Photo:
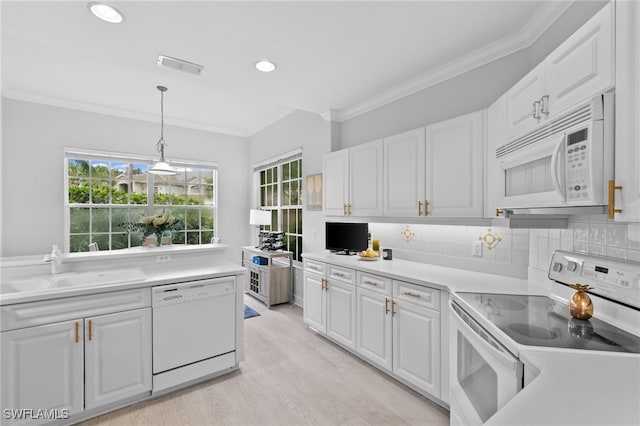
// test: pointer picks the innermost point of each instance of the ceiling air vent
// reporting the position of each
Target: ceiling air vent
(179, 64)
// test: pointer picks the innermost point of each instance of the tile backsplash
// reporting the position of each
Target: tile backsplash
(455, 241)
(594, 235)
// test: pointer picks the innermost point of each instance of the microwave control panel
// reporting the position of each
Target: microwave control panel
(577, 160)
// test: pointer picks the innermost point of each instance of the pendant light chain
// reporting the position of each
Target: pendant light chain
(161, 167)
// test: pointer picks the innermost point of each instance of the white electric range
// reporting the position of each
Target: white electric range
(488, 331)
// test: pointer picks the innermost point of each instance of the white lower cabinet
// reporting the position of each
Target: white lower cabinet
(395, 325)
(43, 367)
(416, 345)
(77, 364)
(117, 357)
(330, 301)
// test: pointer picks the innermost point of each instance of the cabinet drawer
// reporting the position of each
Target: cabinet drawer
(49, 311)
(424, 296)
(314, 267)
(374, 282)
(341, 274)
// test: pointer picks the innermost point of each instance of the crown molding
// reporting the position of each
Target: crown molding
(535, 27)
(331, 115)
(117, 112)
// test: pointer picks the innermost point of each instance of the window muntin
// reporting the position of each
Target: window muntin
(103, 194)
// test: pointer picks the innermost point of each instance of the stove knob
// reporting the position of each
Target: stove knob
(572, 266)
(557, 267)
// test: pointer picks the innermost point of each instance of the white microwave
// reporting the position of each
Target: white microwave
(566, 162)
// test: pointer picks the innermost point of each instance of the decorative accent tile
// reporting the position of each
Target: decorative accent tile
(407, 233)
(490, 239)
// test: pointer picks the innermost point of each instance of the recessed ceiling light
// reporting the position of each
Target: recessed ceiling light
(106, 13)
(265, 66)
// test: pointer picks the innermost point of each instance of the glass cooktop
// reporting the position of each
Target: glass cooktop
(542, 321)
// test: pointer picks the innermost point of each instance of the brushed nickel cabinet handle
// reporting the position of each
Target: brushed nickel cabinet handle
(90, 330)
(77, 331)
(419, 208)
(410, 294)
(544, 104)
(371, 283)
(536, 110)
(386, 306)
(426, 208)
(393, 308)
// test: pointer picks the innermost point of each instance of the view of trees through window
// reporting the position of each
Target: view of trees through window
(104, 196)
(281, 193)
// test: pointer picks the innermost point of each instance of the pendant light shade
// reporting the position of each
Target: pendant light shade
(162, 167)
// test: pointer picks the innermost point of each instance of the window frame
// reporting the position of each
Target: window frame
(279, 207)
(150, 208)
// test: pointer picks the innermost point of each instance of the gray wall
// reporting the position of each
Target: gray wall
(33, 169)
(297, 130)
(468, 92)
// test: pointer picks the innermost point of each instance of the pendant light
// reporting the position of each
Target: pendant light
(161, 167)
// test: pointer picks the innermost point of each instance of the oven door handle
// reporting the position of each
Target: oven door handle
(474, 331)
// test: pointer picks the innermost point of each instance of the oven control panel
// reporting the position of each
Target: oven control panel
(615, 279)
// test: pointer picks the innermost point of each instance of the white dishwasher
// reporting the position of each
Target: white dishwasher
(193, 330)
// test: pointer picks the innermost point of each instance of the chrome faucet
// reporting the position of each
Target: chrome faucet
(55, 257)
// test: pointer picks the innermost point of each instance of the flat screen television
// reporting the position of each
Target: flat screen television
(346, 238)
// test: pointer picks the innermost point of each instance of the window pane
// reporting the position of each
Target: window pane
(295, 169)
(285, 193)
(102, 240)
(178, 237)
(285, 171)
(118, 241)
(269, 199)
(295, 193)
(78, 167)
(206, 237)
(79, 243)
(193, 220)
(100, 220)
(299, 228)
(207, 219)
(119, 219)
(269, 176)
(100, 191)
(79, 220)
(207, 194)
(79, 191)
(193, 237)
(263, 177)
(274, 220)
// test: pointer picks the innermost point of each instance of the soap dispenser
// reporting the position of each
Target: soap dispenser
(56, 260)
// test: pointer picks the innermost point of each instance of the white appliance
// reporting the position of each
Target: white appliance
(484, 374)
(564, 163)
(193, 330)
(488, 331)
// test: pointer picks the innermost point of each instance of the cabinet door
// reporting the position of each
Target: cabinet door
(583, 65)
(42, 367)
(454, 165)
(365, 179)
(519, 102)
(335, 171)
(404, 173)
(117, 356)
(373, 334)
(496, 137)
(315, 302)
(416, 346)
(341, 313)
(627, 100)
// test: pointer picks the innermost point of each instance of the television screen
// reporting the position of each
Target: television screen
(346, 237)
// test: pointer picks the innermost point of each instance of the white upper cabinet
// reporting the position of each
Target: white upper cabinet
(583, 65)
(454, 166)
(494, 177)
(335, 171)
(523, 102)
(627, 105)
(353, 181)
(579, 68)
(365, 179)
(404, 172)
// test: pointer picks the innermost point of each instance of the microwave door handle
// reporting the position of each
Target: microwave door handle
(554, 167)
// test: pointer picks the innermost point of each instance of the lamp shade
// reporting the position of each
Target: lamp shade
(259, 217)
(162, 168)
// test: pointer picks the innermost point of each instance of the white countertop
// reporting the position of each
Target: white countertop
(576, 388)
(573, 387)
(443, 278)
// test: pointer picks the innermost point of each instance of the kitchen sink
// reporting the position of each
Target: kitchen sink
(73, 279)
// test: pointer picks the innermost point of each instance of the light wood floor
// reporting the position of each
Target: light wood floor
(290, 376)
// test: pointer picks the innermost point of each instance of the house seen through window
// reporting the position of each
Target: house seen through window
(107, 192)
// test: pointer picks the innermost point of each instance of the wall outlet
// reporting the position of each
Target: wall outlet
(164, 258)
(476, 248)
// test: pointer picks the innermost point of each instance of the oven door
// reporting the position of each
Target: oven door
(534, 174)
(484, 374)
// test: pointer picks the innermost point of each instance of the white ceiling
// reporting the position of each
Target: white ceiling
(340, 57)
